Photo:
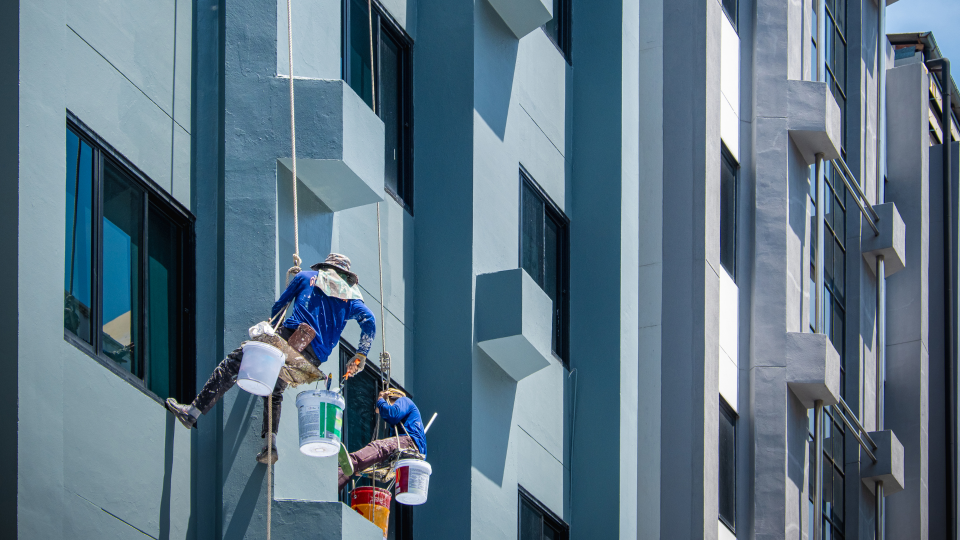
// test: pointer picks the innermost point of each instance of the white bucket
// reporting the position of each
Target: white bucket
(260, 367)
(320, 418)
(413, 481)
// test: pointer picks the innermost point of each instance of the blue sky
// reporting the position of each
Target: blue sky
(942, 17)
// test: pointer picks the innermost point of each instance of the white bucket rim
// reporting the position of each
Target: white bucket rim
(420, 464)
(325, 396)
(266, 347)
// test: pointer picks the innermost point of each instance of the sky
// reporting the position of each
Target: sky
(942, 17)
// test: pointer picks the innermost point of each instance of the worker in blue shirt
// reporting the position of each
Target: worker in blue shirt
(397, 410)
(324, 298)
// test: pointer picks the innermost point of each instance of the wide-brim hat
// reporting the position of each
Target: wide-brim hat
(341, 264)
(395, 393)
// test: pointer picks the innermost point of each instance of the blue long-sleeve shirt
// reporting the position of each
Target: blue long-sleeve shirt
(325, 314)
(404, 411)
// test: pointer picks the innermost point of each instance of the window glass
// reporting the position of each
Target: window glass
(531, 240)
(77, 275)
(122, 240)
(360, 76)
(543, 238)
(535, 522)
(163, 285)
(728, 214)
(117, 223)
(727, 476)
(390, 110)
(558, 28)
(730, 7)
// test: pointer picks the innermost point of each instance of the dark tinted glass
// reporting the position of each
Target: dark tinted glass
(122, 241)
(77, 273)
(550, 533)
(530, 522)
(389, 88)
(558, 28)
(359, 50)
(728, 214)
(531, 233)
(163, 293)
(728, 466)
(360, 395)
(730, 6)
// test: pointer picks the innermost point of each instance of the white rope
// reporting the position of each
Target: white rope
(383, 321)
(269, 463)
(293, 145)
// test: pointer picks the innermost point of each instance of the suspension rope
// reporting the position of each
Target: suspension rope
(269, 464)
(293, 146)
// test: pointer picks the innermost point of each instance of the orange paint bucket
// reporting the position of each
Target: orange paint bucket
(376, 508)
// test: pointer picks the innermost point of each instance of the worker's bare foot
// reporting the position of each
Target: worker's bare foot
(268, 454)
(182, 412)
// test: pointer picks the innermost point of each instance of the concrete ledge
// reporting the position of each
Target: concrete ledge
(813, 368)
(891, 243)
(334, 520)
(349, 173)
(813, 120)
(523, 16)
(889, 465)
(514, 322)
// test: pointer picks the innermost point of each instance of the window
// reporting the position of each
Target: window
(393, 88)
(537, 522)
(730, 7)
(832, 463)
(728, 466)
(728, 213)
(544, 254)
(558, 28)
(835, 56)
(128, 287)
(359, 429)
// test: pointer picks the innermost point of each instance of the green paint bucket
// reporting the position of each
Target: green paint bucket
(320, 418)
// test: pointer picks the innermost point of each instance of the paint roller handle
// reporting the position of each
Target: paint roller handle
(430, 423)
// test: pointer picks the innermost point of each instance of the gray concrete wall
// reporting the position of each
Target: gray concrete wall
(78, 474)
(908, 375)
(691, 258)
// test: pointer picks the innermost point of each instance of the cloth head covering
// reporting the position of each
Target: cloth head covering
(334, 285)
(340, 263)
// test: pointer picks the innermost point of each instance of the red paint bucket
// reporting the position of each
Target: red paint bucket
(374, 507)
(413, 481)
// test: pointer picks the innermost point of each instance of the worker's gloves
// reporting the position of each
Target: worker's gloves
(356, 364)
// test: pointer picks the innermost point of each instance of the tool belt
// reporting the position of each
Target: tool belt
(297, 368)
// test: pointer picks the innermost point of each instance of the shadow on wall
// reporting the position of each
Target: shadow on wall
(316, 225)
(246, 505)
(496, 61)
(493, 417)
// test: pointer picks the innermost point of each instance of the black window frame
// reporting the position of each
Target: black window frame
(729, 521)
(563, 14)
(561, 312)
(523, 495)
(384, 23)
(155, 197)
(727, 160)
(401, 515)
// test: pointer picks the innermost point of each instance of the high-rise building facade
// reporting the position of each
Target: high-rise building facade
(632, 253)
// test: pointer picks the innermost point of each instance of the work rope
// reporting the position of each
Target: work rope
(293, 147)
(269, 463)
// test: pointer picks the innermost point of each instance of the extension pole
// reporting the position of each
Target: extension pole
(818, 480)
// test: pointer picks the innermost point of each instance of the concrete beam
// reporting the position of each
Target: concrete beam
(514, 322)
(343, 173)
(813, 368)
(891, 243)
(523, 16)
(813, 119)
(889, 465)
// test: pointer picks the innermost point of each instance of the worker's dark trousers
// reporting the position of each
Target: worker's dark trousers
(225, 376)
(372, 454)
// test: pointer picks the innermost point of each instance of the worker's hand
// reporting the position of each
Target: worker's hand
(356, 364)
(383, 395)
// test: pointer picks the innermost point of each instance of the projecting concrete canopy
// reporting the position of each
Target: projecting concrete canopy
(523, 16)
(813, 120)
(889, 465)
(350, 171)
(813, 368)
(891, 243)
(514, 322)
